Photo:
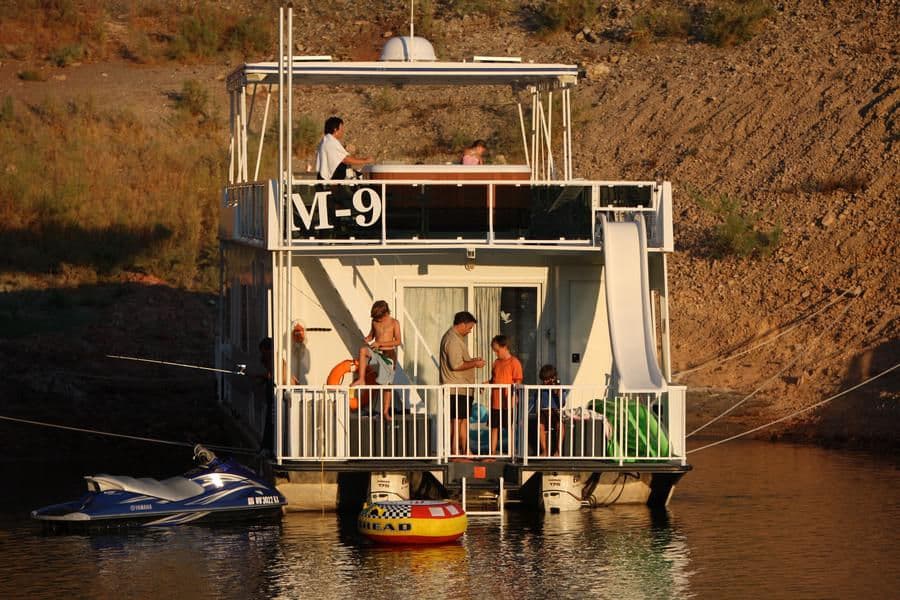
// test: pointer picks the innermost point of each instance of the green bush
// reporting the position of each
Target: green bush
(458, 8)
(249, 35)
(737, 233)
(199, 34)
(306, 134)
(732, 22)
(7, 111)
(31, 75)
(384, 101)
(193, 99)
(65, 56)
(549, 16)
(662, 22)
(833, 183)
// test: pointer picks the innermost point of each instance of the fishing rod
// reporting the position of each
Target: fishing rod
(138, 438)
(241, 370)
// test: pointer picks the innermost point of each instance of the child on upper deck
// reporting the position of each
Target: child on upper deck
(380, 351)
(506, 369)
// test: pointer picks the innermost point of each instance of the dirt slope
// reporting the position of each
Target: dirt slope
(801, 124)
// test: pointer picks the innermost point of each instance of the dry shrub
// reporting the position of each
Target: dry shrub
(99, 190)
(31, 75)
(736, 232)
(662, 22)
(549, 16)
(732, 22)
(716, 22)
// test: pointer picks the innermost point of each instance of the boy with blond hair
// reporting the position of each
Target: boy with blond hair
(380, 352)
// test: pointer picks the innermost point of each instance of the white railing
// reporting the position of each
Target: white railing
(566, 422)
(488, 412)
(517, 423)
(441, 212)
(340, 423)
(243, 214)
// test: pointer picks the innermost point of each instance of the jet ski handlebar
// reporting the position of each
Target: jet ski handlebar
(203, 456)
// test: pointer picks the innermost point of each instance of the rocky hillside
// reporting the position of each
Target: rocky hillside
(791, 126)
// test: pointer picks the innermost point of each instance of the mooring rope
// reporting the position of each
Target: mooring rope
(233, 449)
(775, 376)
(717, 361)
(795, 413)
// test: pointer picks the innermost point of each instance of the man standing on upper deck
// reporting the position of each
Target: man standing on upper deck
(332, 159)
(458, 369)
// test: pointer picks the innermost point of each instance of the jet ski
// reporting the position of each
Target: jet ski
(215, 490)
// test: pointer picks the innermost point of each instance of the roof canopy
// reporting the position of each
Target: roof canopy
(326, 72)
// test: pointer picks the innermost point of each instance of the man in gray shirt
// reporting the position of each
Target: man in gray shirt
(458, 369)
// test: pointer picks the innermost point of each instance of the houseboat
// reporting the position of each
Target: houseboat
(571, 271)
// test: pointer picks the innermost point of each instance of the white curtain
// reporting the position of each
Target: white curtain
(428, 313)
(487, 311)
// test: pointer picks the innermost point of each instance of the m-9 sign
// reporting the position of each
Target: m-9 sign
(366, 203)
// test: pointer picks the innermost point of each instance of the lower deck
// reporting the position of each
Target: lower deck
(482, 487)
(554, 446)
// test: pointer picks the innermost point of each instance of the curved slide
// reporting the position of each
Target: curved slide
(628, 307)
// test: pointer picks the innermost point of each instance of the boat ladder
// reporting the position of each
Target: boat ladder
(485, 497)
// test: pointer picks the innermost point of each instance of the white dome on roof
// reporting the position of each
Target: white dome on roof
(406, 48)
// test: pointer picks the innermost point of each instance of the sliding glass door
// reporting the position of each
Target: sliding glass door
(428, 313)
(509, 311)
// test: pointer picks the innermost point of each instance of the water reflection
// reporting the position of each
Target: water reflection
(756, 520)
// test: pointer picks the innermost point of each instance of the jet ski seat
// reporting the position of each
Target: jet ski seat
(172, 489)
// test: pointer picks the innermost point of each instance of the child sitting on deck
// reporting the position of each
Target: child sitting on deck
(380, 352)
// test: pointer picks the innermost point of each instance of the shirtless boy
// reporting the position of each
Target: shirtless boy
(380, 352)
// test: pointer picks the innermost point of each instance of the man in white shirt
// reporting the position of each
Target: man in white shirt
(332, 159)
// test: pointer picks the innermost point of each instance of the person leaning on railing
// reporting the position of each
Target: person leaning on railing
(548, 403)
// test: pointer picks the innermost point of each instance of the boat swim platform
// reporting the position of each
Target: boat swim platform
(467, 466)
(344, 486)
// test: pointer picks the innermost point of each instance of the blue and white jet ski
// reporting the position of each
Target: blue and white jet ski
(215, 490)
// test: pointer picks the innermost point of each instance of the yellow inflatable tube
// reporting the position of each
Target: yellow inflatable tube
(412, 521)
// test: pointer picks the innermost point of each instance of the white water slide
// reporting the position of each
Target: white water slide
(628, 307)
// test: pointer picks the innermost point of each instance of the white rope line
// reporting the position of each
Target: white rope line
(775, 376)
(122, 435)
(174, 364)
(764, 342)
(794, 414)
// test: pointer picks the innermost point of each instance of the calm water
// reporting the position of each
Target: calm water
(753, 520)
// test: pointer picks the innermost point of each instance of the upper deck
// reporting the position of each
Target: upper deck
(536, 203)
(432, 206)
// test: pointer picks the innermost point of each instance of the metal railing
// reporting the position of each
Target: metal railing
(565, 422)
(518, 423)
(440, 213)
(244, 211)
(365, 422)
(488, 413)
